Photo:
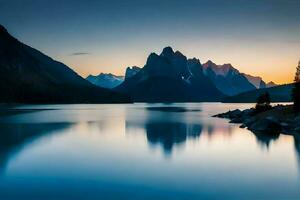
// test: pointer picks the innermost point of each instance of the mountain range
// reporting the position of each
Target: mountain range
(170, 77)
(172, 66)
(106, 80)
(227, 79)
(258, 82)
(29, 76)
(110, 80)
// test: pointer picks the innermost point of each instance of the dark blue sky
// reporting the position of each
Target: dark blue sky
(258, 37)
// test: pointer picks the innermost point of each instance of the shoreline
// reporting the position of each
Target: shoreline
(279, 119)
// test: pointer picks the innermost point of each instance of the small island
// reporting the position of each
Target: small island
(267, 119)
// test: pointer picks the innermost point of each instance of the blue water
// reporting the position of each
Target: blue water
(142, 151)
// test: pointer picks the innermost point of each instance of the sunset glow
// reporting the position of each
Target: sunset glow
(258, 37)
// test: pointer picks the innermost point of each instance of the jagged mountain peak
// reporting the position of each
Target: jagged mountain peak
(106, 80)
(227, 78)
(167, 51)
(194, 61)
(271, 84)
(133, 67)
(178, 53)
(227, 66)
(152, 55)
(255, 80)
(152, 58)
(222, 70)
(108, 75)
(209, 63)
(102, 74)
(131, 71)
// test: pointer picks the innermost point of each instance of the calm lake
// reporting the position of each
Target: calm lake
(142, 151)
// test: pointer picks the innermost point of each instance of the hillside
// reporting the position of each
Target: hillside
(29, 76)
(281, 93)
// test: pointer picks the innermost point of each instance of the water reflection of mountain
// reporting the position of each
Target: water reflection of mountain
(169, 134)
(166, 127)
(15, 137)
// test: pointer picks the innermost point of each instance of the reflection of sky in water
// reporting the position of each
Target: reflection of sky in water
(118, 151)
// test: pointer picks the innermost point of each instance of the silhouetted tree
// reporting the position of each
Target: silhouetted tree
(263, 102)
(264, 99)
(296, 90)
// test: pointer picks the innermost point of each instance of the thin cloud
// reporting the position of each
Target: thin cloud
(79, 54)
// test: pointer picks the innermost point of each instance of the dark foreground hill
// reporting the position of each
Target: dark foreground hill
(281, 93)
(29, 76)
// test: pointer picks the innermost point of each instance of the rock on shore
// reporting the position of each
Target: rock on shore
(278, 119)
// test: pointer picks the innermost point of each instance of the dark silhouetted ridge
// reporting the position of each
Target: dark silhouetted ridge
(29, 76)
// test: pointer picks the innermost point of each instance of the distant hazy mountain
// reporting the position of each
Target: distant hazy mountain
(280, 93)
(257, 81)
(227, 79)
(106, 80)
(29, 76)
(131, 71)
(170, 77)
(271, 84)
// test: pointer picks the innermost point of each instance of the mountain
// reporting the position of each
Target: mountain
(131, 71)
(271, 84)
(110, 80)
(256, 81)
(170, 77)
(280, 93)
(106, 80)
(226, 78)
(29, 76)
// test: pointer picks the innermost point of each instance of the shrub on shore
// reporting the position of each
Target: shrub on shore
(263, 103)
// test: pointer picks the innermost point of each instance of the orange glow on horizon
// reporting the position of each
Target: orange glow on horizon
(271, 68)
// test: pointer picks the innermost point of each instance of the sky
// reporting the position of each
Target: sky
(258, 37)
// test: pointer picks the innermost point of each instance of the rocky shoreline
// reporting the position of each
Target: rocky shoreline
(277, 119)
